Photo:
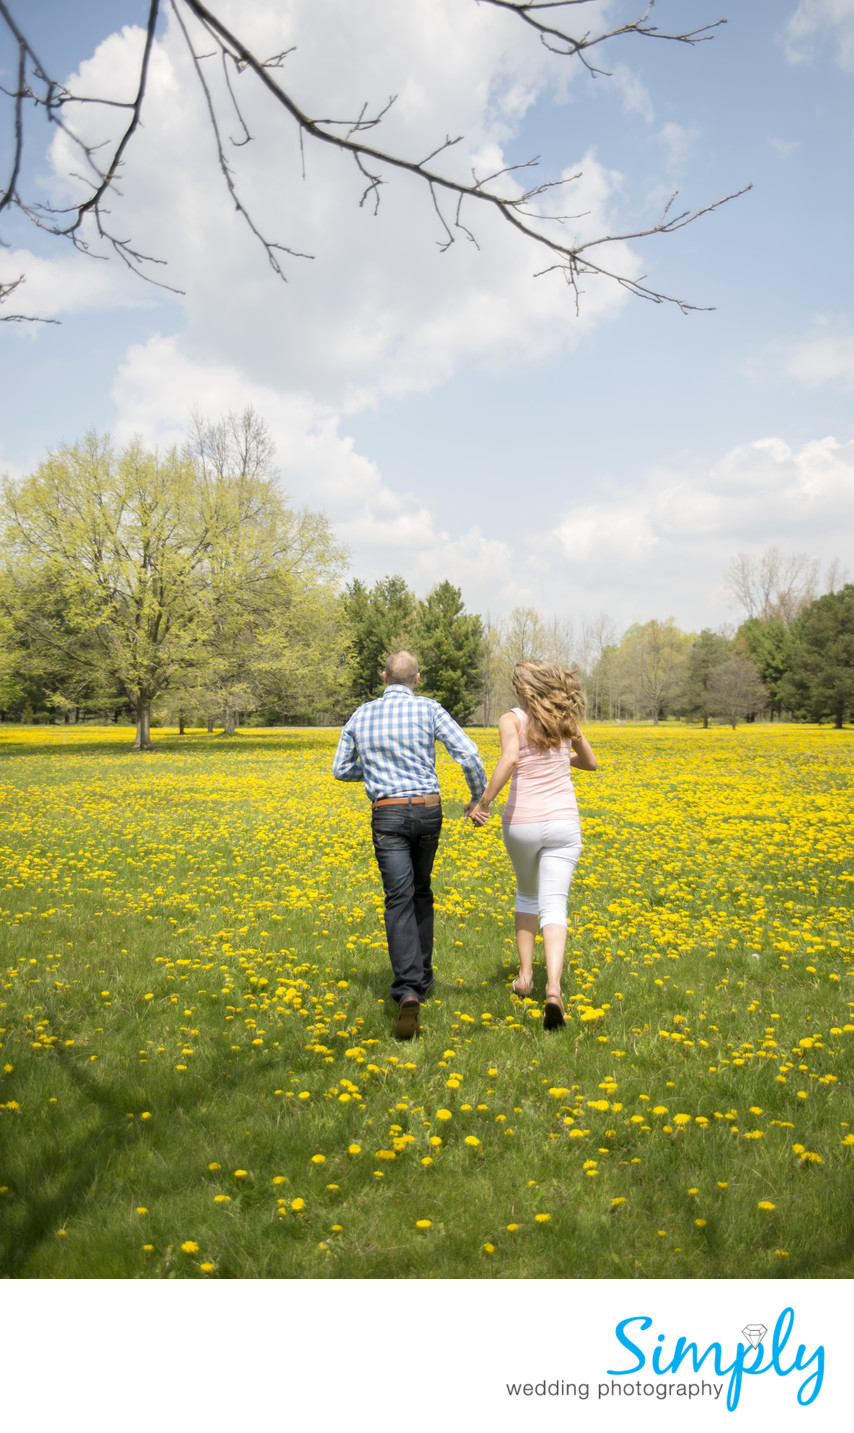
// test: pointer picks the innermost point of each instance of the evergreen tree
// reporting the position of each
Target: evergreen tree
(450, 648)
(768, 643)
(381, 619)
(694, 698)
(820, 682)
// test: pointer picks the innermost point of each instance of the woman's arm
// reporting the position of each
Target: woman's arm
(583, 757)
(508, 730)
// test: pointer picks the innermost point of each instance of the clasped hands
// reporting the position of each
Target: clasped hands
(476, 813)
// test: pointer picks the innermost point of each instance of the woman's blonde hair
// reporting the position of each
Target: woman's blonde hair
(553, 699)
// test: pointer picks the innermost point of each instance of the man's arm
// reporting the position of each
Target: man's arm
(346, 765)
(463, 750)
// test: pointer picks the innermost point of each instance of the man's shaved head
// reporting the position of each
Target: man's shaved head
(401, 669)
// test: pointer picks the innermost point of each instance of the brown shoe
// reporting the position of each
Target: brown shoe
(406, 1025)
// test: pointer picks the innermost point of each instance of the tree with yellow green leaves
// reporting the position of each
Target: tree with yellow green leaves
(164, 569)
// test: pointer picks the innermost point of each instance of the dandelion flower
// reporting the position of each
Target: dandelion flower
(766, 1204)
(189, 1246)
(424, 1223)
(542, 1218)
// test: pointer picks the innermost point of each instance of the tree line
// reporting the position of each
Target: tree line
(185, 588)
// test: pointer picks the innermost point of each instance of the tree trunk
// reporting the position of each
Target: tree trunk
(229, 721)
(210, 725)
(705, 721)
(180, 723)
(143, 727)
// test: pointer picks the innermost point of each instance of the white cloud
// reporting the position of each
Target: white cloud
(634, 94)
(679, 141)
(656, 548)
(158, 386)
(69, 284)
(818, 22)
(786, 148)
(662, 547)
(825, 357)
(380, 310)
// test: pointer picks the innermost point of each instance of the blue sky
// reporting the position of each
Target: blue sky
(449, 412)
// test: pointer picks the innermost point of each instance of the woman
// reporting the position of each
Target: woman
(540, 741)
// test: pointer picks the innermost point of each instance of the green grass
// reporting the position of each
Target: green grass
(194, 984)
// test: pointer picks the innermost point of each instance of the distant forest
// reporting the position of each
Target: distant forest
(183, 589)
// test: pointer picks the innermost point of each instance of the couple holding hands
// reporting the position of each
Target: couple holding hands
(389, 744)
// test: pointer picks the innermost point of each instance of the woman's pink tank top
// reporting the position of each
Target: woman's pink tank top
(541, 789)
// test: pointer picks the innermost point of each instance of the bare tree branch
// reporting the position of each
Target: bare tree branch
(574, 258)
(560, 42)
(6, 290)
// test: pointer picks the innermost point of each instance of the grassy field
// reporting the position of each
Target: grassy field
(198, 1078)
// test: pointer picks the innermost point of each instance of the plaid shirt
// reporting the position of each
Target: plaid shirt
(390, 745)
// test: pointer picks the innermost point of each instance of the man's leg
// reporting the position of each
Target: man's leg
(427, 825)
(390, 827)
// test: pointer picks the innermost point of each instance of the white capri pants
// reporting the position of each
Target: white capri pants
(544, 856)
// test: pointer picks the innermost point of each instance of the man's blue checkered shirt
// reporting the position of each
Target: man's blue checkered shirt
(390, 745)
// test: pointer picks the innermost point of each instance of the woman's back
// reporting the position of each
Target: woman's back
(541, 789)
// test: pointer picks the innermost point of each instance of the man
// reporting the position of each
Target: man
(390, 745)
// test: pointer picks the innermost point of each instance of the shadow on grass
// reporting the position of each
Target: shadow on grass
(57, 1184)
(215, 743)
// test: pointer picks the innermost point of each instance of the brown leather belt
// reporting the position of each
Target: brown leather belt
(434, 799)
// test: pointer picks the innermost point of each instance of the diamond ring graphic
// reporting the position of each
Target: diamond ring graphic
(754, 1333)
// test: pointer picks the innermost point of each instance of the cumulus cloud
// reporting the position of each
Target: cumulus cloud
(816, 23)
(379, 309)
(661, 548)
(825, 356)
(679, 141)
(71, 284)
(159, 385)
(658, 548)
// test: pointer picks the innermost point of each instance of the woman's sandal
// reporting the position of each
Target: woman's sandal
(554, 1014)
(522, 987)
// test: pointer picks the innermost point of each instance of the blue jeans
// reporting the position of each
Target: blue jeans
(405, 843)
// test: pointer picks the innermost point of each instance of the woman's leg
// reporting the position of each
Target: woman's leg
(523, 846)
(554, 940)
(526, 934)
(558, 858)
